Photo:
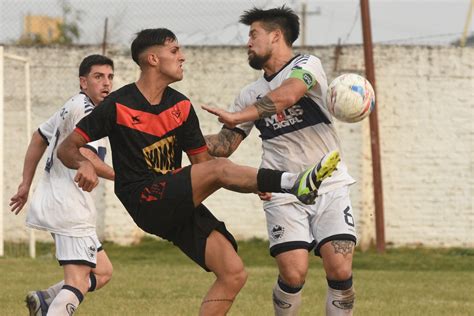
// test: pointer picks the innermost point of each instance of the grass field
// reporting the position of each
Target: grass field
(154, 278)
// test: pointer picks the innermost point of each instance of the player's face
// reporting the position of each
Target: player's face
(97, 84)
(171, 59)
(259, 46)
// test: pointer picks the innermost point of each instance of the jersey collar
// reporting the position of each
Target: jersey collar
(270, 78)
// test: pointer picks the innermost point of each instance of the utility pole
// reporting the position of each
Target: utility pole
(304, 19)
(462, 42)
(374, 130)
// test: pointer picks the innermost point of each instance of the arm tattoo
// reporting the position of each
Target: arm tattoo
(224, 143)
(343, 247)
(265, 107)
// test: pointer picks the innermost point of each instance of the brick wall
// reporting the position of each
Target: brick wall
(425, 110)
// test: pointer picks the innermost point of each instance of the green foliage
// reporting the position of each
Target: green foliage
(69, 27)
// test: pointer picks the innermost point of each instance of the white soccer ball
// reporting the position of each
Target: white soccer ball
(350, 98)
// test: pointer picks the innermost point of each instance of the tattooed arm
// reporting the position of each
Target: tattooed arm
(224, 143)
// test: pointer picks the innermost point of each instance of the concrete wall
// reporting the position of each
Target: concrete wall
(425, 109)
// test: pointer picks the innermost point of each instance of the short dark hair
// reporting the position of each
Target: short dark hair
(150, 37)
(282, 18)
(92, 60)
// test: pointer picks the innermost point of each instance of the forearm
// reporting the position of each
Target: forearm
(224, 143)
(201, 157)
(276, 101)
(102, 169)
(68, 151)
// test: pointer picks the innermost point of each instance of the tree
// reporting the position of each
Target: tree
(69, 30)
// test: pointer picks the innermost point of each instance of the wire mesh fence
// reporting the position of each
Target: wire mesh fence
(215, 22)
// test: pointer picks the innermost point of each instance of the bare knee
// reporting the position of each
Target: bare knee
(222, 166)
(293, 267)
(293, 278)
(234, 279)
(105, 276)
(339, 273)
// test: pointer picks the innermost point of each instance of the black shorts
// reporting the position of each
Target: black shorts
(166, 209)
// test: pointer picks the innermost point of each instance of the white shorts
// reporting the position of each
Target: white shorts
(298, 226)
(77, 250)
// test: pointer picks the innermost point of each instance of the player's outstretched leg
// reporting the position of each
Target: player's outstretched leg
(308, 182)
(36, 303)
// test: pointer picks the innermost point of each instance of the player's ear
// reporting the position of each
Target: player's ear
(83, 82)
(152, 58)
(277, 35)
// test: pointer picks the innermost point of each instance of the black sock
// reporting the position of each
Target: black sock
(269, 180)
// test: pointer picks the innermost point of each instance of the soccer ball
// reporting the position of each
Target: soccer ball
(350, 98)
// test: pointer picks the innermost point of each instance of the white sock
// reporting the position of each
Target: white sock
(340, 302)
(285, 304)
(52, 291)
(288, 180)
(66, 302)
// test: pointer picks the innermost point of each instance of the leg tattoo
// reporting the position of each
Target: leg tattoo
(343, 247)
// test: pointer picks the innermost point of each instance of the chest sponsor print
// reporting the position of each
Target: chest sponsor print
(160, 156)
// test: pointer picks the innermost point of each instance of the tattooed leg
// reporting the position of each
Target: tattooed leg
(343, 247)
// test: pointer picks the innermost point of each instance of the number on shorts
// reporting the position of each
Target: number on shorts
(348, 217)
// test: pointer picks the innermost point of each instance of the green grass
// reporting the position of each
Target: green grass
(154, 278)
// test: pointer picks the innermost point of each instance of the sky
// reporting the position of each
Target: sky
(215, 22)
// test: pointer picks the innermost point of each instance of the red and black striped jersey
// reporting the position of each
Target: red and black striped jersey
(147, 140)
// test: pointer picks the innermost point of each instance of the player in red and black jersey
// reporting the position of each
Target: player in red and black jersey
(149, 124)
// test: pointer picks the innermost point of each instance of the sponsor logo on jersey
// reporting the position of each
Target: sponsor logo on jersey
(63, 113)
(135, 119)
(160, 155)
(278, 231)
(288, 117)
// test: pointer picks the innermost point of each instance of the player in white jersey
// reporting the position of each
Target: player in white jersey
(288, 107)
(59, 205)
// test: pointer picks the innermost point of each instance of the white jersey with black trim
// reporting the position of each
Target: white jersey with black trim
(302, 134)
(58, 204)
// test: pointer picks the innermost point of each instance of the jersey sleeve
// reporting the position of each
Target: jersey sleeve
(309, 69)
(46, 129)
(191, 139)
(99, 122)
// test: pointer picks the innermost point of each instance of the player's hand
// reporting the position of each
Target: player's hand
(86, 177)
(265, 196)
(227, 118)
(19, 199)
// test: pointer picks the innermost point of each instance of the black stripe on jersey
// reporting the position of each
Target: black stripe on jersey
(88, 110)
(304, 113)
(44, 137)
(302, 59)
